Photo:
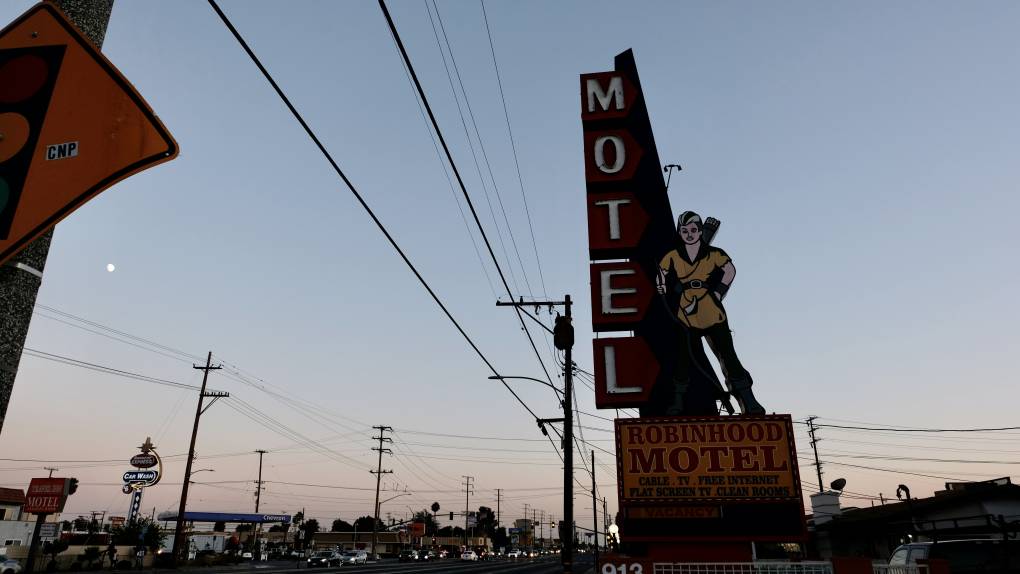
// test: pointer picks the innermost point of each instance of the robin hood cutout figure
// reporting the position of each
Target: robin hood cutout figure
(698, 276)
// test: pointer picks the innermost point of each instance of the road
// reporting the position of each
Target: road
(544, 565)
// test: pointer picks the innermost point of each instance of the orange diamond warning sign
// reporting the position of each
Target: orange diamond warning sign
(70, 126)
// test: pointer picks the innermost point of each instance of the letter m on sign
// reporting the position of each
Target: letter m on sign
(606, 95)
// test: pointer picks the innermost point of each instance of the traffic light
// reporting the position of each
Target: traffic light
(27, 78)
(72, 485)
(563, 333)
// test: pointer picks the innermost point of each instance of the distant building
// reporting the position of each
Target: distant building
(987, 509)
(15, 529)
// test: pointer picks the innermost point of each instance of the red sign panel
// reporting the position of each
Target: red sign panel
(611, 155)
(45, 495)
(620, 295)
(625, 372)
(606, 95)
(616, 222)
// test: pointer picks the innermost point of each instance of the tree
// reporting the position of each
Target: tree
(243, 528)
(298, 518)
(310, 526)
(52, 549)
(486, 521)
(277, 528)
(364, 524)
(90, 555)
(341, 525)
(144, 531)
(499, 538)
(219, 526)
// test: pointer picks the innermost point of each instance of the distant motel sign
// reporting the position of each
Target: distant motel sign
(45, 495)
(630, 226)
(706, 460)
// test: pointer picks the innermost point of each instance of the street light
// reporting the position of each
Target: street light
(376, 516)
(546, 383)
(194, 472)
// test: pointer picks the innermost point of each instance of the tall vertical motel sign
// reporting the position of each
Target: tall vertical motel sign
(630, 227)
(700, 485)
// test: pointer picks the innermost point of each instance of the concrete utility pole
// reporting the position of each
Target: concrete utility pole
(179, 545)
(467, 505)
(21, 277)
(378, 479)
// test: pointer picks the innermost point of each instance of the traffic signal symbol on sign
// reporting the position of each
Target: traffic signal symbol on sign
(70, 126)
(27, 78)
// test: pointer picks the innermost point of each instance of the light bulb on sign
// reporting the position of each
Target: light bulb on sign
(110, 267)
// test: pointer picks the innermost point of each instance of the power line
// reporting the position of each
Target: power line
(361, 200)
(460, 183)
(105, 369)
(513, 147)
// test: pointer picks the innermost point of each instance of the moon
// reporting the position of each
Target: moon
(110, 267)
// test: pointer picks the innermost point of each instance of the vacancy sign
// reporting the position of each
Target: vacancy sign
(70, 126)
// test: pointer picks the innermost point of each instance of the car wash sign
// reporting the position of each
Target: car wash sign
(630, 226)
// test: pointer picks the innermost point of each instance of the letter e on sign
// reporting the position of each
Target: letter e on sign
(620, 295)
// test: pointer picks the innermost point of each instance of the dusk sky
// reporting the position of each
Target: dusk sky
(861, 156)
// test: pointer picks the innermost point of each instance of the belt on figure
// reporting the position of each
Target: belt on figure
(695, 284)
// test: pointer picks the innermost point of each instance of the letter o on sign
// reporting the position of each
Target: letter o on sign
(600, 154)
(689, 454)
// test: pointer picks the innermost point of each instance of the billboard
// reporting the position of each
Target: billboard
(706, 459)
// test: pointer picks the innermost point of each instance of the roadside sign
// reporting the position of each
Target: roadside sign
(140, 476)
(49, 530)
(147, 460)
(72, 126)
(45, 495)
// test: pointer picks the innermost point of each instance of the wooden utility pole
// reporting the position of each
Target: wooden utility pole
(378, 472)
(594, 509)
(563, 339)
(256, 551)
(21, 277)
(467, 505)
(179, 542)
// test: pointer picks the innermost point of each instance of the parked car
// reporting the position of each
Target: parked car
(325, 558)
(355, 557)
(964, 556)
(10, 567)
(469, 555)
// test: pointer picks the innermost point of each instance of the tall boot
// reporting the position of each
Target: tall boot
(741, 390)
(676, 407)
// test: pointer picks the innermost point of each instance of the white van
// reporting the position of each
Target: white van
(964, 556)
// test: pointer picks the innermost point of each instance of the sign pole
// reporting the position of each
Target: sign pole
(21, 277)
(567, 543)
(34, 547)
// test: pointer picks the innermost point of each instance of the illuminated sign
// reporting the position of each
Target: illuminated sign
(706, 459)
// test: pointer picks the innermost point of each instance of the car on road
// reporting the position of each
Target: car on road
(10, 567)
(325, 558)
(470, 556)
(963, 556)
(515, 554)
(355, 557)
(407, 556)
